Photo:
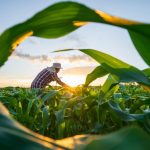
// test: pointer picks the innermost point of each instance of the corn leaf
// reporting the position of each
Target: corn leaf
(64, 17)
(124, 71)
(128, 138)
(114, 66)
(125, 116)
(45, 118)
(14, 137)
(141, 43)
(96, 73)
(146, 72)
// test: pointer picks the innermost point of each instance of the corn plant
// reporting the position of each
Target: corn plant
(123, 100)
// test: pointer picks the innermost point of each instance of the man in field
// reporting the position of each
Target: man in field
(46, 76)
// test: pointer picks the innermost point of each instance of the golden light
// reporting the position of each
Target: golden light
(73, 80)
(115, 20)
(15, 82)
(21, 38)
(79, 23)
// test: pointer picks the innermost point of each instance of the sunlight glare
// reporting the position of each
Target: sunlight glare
(73, 80)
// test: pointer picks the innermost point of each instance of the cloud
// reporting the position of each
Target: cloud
(73, 58)
(78, 71)
(41, 58)
(47, 59)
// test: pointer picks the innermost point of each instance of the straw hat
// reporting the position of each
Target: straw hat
(57, 65)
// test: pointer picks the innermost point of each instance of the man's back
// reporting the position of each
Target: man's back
(44, 77)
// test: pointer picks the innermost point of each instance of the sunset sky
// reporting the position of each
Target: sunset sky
(35, 54)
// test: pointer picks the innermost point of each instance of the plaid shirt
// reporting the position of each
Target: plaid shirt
(45, 77)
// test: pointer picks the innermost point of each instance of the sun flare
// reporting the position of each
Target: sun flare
(74, 80)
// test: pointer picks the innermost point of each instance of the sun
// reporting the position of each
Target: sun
(73, 81)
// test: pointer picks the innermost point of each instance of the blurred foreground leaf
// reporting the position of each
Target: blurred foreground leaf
(64, 17)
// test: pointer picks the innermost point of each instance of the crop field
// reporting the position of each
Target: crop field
(113, 116)
(60, 113)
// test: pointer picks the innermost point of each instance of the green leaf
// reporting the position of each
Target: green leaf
(30, 103)
(141, 43)
(125, 116)
(49, 95)
(96, 73)
(52, 22)
(45, 118)
(3, 110)
(20, 137)
(109, 87)
(59, 116)
(64, 17)
(125, 139)
(146, 72)
(124, 71)
(111, 81)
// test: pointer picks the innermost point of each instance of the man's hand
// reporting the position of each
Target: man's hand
(69, 88)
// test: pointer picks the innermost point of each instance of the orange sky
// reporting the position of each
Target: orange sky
(73, 77)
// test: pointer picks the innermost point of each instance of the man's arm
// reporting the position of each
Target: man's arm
(55, 77)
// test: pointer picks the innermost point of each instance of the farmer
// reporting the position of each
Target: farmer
(46, 76)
